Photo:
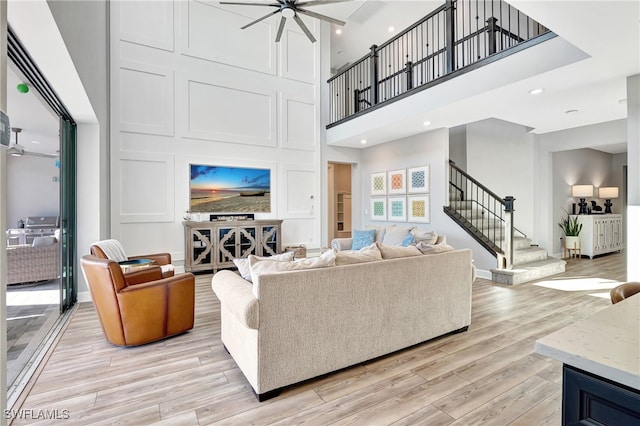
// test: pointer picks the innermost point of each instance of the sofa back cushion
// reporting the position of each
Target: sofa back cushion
(371, 253)
(265, 266)
(394, 252)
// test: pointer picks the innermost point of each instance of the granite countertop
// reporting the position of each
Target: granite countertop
(606, 344)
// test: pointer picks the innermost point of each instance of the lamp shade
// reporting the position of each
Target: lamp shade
(582, 191)
(608, 192)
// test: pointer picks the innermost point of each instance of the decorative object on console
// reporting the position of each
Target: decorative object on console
(418, 210)
(228, 217)
(229, 189)
(582, 192)
(418, 179)
(608, 192)
(397, 182)
(379, 208)
(379, 183)
(397, 209)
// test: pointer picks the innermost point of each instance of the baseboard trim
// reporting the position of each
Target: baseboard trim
(84, 296)
(484, 274)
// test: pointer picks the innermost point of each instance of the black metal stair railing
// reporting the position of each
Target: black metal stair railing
(456, 35)
(487, 217)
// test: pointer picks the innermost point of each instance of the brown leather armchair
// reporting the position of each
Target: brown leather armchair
(142, 308)
(160, 259)
(623, 291)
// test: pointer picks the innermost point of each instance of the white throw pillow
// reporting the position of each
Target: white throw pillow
(366, 254)
(423, 236)
(394, 235)
(245, 269)
(266, 266)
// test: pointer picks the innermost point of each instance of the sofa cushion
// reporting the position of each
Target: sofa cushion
(245, 269)
(380, 230)
(421, 235)
(265, 266)
(394, 252)
(362, 239)
(371, 253)
(394, 234)
(433, 248)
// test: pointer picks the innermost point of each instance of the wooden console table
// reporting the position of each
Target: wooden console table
(213, 245)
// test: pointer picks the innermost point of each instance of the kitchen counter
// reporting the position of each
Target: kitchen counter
(601, 365)
(606, 344)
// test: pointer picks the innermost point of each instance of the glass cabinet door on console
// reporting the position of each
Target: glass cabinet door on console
(270, 240)
(234, 242)
(200, 254)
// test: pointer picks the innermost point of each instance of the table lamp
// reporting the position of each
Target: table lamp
(608, 192)
(582, 192)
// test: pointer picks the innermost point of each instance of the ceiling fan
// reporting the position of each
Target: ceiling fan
(291, 9)
(18, 150)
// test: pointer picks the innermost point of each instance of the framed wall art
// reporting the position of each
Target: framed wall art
(418, 209)
(397, 209)
(397, 182)
(379, 183)
(379, 208)
(418, 179)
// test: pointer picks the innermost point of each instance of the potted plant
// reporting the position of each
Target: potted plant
(571, 228)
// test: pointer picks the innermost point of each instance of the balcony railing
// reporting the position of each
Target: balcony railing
(456, 35)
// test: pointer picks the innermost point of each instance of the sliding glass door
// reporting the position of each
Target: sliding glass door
(68, 288)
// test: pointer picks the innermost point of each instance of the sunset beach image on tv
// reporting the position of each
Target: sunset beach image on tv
(229, 189)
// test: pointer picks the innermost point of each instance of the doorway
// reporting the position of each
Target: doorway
(339, 195)
(40, 211)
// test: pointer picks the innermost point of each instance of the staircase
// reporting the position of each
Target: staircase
(488, 219)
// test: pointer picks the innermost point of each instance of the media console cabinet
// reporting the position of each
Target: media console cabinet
(210, 246)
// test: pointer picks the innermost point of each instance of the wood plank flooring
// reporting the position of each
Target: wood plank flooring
(488, 375)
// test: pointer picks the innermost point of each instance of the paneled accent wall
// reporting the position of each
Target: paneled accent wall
(188, 86)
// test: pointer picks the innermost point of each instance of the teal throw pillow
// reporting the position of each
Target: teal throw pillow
(407, 241)
(362, 239)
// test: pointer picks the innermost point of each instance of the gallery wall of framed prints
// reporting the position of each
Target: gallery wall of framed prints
(401, 195)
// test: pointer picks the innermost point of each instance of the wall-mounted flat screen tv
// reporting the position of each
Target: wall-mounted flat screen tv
(229, 189)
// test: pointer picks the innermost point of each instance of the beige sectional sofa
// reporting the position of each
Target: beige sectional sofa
(290, 326)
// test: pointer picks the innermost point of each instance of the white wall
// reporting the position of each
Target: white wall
(31, 188)
(500, 156)
(432, 149)
(633, 157)
(581, 167)
(181, 94)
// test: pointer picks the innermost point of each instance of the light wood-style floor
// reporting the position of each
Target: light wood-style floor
(488, 375)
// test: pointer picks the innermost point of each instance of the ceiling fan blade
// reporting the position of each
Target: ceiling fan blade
(250, 4)
(260, 19)
(319, 2)
(304, 27)
(319, 16)
(40, 154)
(280, 29)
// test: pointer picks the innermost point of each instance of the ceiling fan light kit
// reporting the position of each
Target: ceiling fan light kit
(290, 9)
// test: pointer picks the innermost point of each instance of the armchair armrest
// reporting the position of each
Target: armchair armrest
(236, 296)
(341, 244)
(152, 273)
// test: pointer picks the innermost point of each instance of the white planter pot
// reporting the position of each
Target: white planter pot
(572, 242)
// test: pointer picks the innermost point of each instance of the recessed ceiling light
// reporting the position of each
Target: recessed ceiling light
(391, 29)
(338, 31)
(536, 91)
(622, 101)
(426, 123)
(571, 111)
(363, 141)
(36, 142)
